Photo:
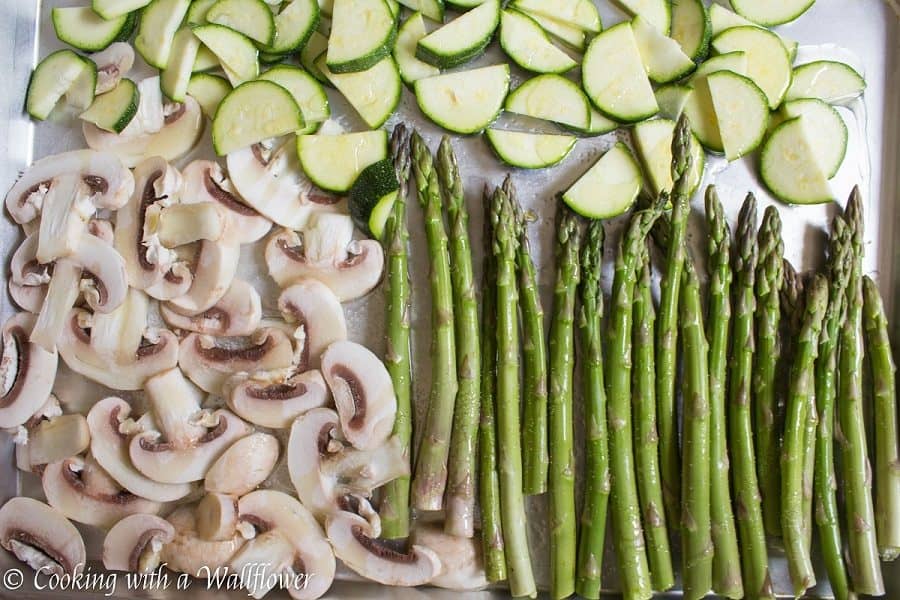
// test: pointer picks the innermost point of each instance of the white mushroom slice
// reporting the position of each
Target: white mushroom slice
(319, 317)
(161, 461)
(55, 439)
(363, 393)
(309, 554)
(26, 372)
(113, 63)
(270, 399)
(462, 566)
(204, 181)
(322, 470)
(109, 447)
(102, 230)
(176, 406)
(69, 488)
(41, 536)
(210, 365)
(189, 553)
(351, 270)
(217, 517)
(134, 543)
(181, 224)
(236, 313)
(213, 268)
(244, 466)
(355, 544)
(28, 278)
(269, 178)
(263, 563)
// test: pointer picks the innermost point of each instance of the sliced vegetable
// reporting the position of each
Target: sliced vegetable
(315, 47)
(658, 12)
(205, 60)
(578, 13)
(433, 9)
(742, 112)
(528, 45)
(570, 35)
(768, 63)
(828, 137)
(254, 111)
(58, 74)
(464, 101)
(553, 98)
(462, 39)
(159, 22)
(252, 18)
(307, 93)
(721, 19)
(789, 167)
(196, 14)
(209, 91)
(769, 13)
(235, 51)
(372, 197)
(411, 68)
(672, 98)
(702, 115)
(114, 110)
(373, 93)
(333, 162)
(600, 124)
(653, 141)
(691, 28)
(113, 9)
(81, 27)
(827, 80)
(362, 33)
(529, 150)
(293, 25)
(175, 77)
(609, 188)
(661, 55)
(731, 61)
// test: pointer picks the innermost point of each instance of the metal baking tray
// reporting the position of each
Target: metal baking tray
(864, 33)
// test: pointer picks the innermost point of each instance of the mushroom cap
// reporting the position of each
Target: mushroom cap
(272, 399)
(461, 558)
(126, 544)
(363, 393)
(113, 63)
(213, 268)
(41, 536)
(27, 372)
(244, 465)
(28, 278)
(191, 554)
(353, 542)
(104, 269)
(109, 447)
(313, 306)
(236, 313)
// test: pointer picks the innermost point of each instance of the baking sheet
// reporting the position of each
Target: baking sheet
(864, 33)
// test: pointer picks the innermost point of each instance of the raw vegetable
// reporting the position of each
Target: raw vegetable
(826, 80)
(742, 114)
(691, 28)
(462, 39)
(662, 56)
(609, 188)
(114, 110)
(159, 22)
(529, 150)
(528, 45)
(789, 167)
(209, 91)
(653, 140)
(62, 72)
(551, 97)
(372, 197)
(307, 93)
(373, 93)
(252, 112)
(768, 63)
(324, 157)
(657, 12)
(577, 13)
(769, 13)
(293, 26)
(81, 27)
(571, 36)
(362, 34)
(828, 138)
(251, 18)
(112, 9)
(411, 68)
(174, 79)
(236, 52)
(464, 101)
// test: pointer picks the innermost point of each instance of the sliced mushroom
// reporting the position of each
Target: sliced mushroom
(213, 267)
(84, 493)
(209, 365)
(328, 253)
(28, 278)
(363, 393)
(109, 425)
(273, 398)
(52, 440)
(319, 317)
(461, 560)
(102, 230)
(354, 543)
(263, 563)
(243, 466)
(113, 63)
(269, 178)
(307, 552)
(134, 543)
(217, 517)
(41, 537)
(204, 181)
(236, 313)
(191, 554)
(180, 224)
(176, 407)
(26, 372)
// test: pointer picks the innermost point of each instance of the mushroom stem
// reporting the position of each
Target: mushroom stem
(61, 295)
(181, 224)
(63, 217)
(175, 403)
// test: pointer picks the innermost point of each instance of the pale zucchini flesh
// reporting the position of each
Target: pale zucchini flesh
(658, 12)
(82, 28)
(789, 167)
(253, 112)
(159, 21)
(431, 9)
(411, 68)
(209, 91)
(373, 93)
(768, 63)
(671, 99)
(175, 77)
(600, 124)
(235, 51)
(464, 101)
(609, 188)
(702, 116)
(691, 28)
(307, 93)
(721, 19)
(732, 61)
(769, 13)
(529, 46)
(552, 98)
(827, 80)
(653, 141)
(569, 35)
(742, 112)
(828, 137)
(529, 150)
(577, 13)
(462, 39)
(362, 33)
(662, 56)
(205, 60)
(333, 162)
(115, 109)
(293, 25)
(315, 46)
(55, 76)
(196, 14)
(251, 18)
(111, 9)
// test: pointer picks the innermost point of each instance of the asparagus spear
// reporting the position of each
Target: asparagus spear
(800, 400)
(488, 475)
(825, 482)
(726, 558)
(512, 500)
(754, 557)
(394, 509)
(629, 539)
(646, 438)
(534, 359)
(887, 473)
(865, 571)
(460, 512)
(597, 484)
(562, 428)
(430, 477)
(769, 277)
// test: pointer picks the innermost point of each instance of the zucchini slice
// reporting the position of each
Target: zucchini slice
(175, 77)
(411, 68)
(661, 55)
(600, 124)
(827, 80)
(372, 197)
(614, 77)
(57, 74)
(362, 33)
(113, 9)
(307, 93)
(692, 28)
(702, 115)
(465, 4)
(742, 112)
(552, 98)
(82, 28)
(333, 162)
(326, 7)
(529, 46)
(315, 47)
(789, 167)
(462, 39)
(653, 141)
(828, 138)
(209, 91)
(196, 14)
(671, 99)
(529, 150)
(252, 18)
(723, 19)
(205, 60)
(609, 188)
(253, 112)
(464, 101)
(235, 51)
(114, 110)
(578, 13)
(432, 9)
(570, 35)
(735, 62)
(658, 12)
(159, 22)
(769, 13)
(293, 25)
(768, 63)
(373, 93)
